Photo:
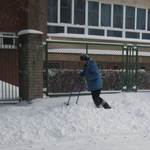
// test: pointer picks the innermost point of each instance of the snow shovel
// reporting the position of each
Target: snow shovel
(72, 91)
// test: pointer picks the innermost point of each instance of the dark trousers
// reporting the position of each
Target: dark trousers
(96, 97)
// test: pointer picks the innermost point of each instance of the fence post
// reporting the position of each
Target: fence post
(46, 74)
(130, 66)
(123, 77)
(30, 64)
(136, 67)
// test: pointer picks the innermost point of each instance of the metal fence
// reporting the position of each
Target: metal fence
(9, 69)
(123, 68)
(63, 65)
(144, 67)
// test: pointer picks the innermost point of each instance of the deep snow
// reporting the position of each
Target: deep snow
(48, 124)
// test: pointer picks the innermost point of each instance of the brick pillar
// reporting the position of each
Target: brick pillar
(30, 64)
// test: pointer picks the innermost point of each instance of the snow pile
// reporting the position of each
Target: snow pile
(49, 124)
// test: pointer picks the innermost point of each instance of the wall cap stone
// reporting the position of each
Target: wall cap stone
(29, 31)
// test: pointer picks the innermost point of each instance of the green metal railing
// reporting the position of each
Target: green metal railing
(143, 73)
(130, 68)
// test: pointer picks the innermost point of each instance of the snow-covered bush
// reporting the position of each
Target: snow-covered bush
(143, 79)
(111, 79)
(62, 80)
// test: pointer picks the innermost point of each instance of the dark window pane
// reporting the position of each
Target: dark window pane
(132, 35)
(7, 40)
(141, 16)
(96, 32)
(52, 11)
(55, 29)
(93, 10)
(75, 30)
(79, 14)
(146, 36)
(130, 17)
(65, 11)
(105, 15)
(114, 33)
(118, 16)
(148, 26)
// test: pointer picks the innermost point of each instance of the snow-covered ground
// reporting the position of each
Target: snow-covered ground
(48, 124)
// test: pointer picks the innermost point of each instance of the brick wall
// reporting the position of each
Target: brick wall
(15, 18)
(23, 14)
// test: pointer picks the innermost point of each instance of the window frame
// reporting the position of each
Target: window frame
(104, 29)
(8, 35)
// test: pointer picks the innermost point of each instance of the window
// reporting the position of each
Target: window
(133, 35)
(79, 12)
(96, 32)
(148, 26)
(7, 40)
(146, 36)
(93, 11)
(130, 17)
(118, 16)
(55, 29)
(141, 15)
(52, 10)
(65, 11)
(106, 15)
(75, 30)
(92, 17)
(114, 33)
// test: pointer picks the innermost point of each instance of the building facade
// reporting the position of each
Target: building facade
(86, 20)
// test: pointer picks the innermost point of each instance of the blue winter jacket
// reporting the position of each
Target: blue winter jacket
(92, 74)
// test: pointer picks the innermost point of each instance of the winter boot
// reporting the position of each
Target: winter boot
(105, 105)
(98, 102)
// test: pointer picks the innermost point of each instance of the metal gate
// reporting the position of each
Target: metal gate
(9, 70)
(129, 68)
